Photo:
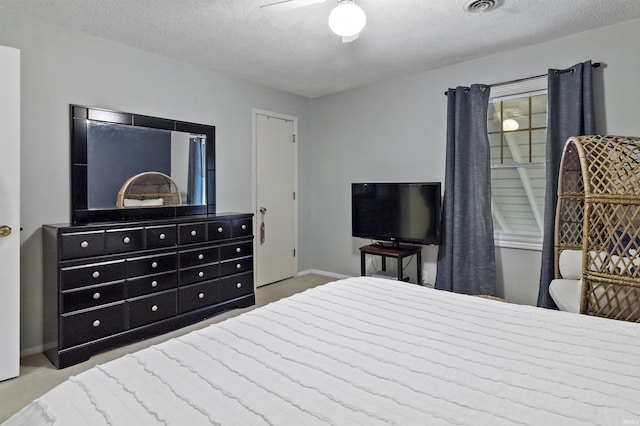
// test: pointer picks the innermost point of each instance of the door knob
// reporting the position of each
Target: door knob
(5, 231)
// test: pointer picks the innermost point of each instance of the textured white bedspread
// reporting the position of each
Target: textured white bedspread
(367, 351)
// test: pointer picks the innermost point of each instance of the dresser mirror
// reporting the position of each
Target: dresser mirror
(129, 166)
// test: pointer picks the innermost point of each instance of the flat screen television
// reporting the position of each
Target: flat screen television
(397, 212)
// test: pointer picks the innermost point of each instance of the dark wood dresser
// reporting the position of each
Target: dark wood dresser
(113, 283)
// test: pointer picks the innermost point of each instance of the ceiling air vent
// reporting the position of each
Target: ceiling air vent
(480, 6)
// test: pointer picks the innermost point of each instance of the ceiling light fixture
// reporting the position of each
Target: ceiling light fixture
(347, 20)
(509, 125)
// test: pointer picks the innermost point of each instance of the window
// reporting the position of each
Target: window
(517, 127)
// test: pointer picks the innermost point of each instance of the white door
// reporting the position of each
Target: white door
(9, 212)
(275, 198)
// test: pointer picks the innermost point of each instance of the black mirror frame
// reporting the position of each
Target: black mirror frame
(80, 212)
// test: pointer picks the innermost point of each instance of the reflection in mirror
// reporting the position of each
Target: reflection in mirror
(109, 148)
(116, 153)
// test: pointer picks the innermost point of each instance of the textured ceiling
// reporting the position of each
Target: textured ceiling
(294, 50)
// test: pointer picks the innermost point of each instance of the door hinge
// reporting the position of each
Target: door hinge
(294, 195)
(294, 252)
(294, 138)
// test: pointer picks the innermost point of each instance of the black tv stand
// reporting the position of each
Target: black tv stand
(395, 251)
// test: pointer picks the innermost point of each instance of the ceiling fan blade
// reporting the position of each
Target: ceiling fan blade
(288, 4)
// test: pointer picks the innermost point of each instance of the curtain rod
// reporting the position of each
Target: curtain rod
(503, 83)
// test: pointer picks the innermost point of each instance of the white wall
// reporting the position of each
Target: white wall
(60, 67)
(396, 130)
(389, 131)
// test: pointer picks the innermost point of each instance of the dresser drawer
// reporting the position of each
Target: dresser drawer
(81, 244)
(91, 325)
(150, 284)
(123, 240)
(96, 273)
(192, 233)
(75, 300)
(110, 283)
(161, 236)
(242, 227)
(236, 266)
(239, 249)
(199, 273)
(219, 230)
(236, 286)
(198, 256)
(148, 265)
(197, 296)
(148, 309)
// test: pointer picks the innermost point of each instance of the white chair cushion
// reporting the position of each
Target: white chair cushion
(132, 202)
(570, 264)
(623, 264)
(566, 294)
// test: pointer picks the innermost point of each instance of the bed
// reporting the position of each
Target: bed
(368, 351)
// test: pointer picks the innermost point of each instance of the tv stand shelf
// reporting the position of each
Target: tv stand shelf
(396, 252)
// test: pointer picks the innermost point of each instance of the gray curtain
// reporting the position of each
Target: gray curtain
(570, 113)
(466, 259)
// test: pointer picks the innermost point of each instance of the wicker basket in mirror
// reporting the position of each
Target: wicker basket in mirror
(149, 189)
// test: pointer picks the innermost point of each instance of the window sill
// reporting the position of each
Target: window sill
(517, 241)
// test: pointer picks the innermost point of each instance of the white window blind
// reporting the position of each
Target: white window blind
(517, 127)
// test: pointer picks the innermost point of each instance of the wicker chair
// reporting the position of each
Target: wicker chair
(148, 189)
(598, 213)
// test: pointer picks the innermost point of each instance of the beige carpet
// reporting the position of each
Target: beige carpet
(38, 375)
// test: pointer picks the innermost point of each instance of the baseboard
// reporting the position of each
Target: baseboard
(326, 273)
(38, 349)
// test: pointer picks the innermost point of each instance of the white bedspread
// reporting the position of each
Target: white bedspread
(367, 351)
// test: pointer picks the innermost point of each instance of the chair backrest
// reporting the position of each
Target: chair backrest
(570, 206)
(598, 212)
(149, 189)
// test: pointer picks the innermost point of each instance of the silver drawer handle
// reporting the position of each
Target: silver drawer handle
(96, 296)
(244, 227)
(96, 323)
(154, 308)
(84, 244)
(200, 256)
(201, 296)
(220, 229)
(239, 285)
(162, 236)
(126, 240)
(96, 274)
(154, 283)
(201, 274)
(154, 264)
(238, 250)
(193, 233)
(238, 266)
